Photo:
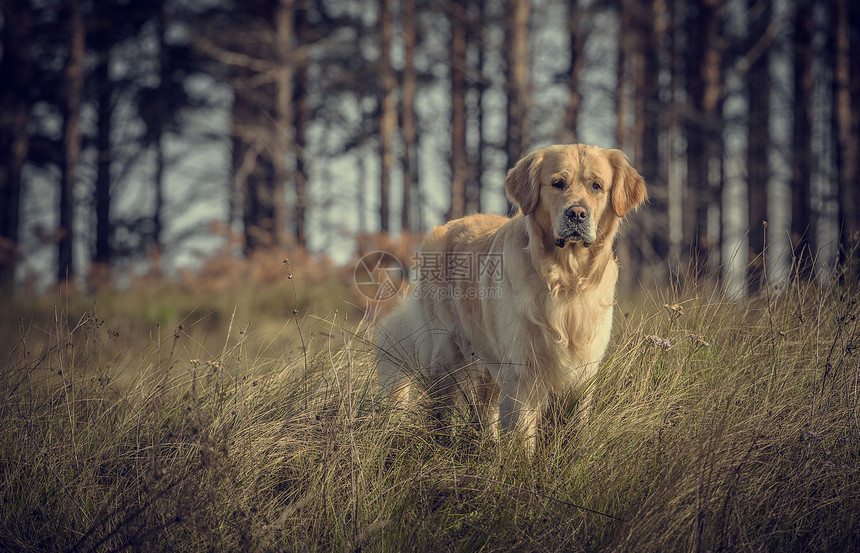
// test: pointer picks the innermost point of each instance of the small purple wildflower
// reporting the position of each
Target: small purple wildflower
(698, 339)
(657, 341)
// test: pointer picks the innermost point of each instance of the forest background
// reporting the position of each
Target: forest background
(142, 137)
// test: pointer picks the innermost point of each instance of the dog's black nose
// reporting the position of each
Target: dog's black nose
(577, 212)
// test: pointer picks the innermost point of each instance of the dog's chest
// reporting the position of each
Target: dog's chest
(579, 322)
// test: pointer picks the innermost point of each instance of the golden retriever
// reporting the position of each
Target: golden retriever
(519, 308)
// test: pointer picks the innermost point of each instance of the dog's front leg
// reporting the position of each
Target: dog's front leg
(488, 394)
(520, 409)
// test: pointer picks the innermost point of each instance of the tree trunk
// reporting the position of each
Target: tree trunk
(302, 120)
(846, 114)
(253, 172)
(282, 145)
(262, 76)
(803, 225)
(387, 111)
(758, 143)
(409, 88)
(703, 129)
(459, 161)
(674, 186)
(15, 74)
(159, 124)
(476, 86)
(624, 48)
(245, 158)
(74, 86)
(629, 251)
(576, 34)
(101, 258)
(654, 242)
(516, 51)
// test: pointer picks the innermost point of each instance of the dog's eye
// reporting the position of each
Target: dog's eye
(596, 185)
(558, 183)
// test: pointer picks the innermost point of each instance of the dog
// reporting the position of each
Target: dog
(531, 318)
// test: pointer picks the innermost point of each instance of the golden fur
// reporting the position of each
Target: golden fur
(546, 327)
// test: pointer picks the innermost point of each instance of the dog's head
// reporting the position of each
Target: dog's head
(575, 192)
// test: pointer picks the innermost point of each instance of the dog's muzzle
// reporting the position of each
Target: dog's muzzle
(575, 225)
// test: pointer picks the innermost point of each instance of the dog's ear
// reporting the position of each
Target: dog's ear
(628, 186)
(522, 184)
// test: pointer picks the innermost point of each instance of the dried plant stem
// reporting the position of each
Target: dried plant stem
(66, 386)
(298, 326)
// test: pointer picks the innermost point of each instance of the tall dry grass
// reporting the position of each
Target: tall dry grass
(718, 426)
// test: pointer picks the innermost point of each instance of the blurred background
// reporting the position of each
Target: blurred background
(156, 137)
